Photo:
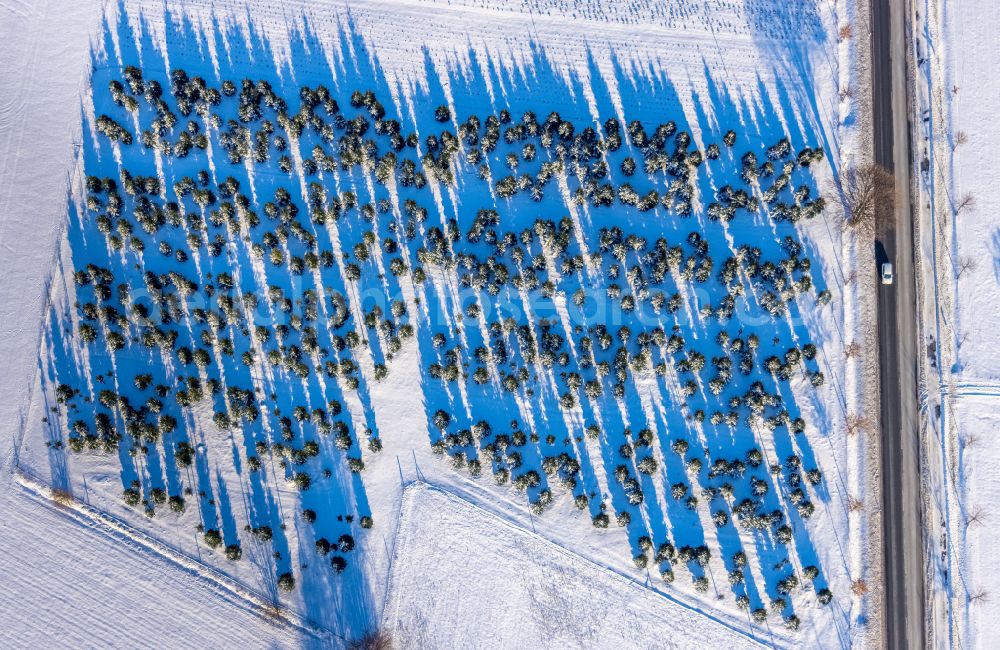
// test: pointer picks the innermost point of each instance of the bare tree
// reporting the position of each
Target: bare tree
(976, 516)
(859, 587)
(845, 31)
(374, 640)
(979, 595)
(961, 137)
(852, 349)
(965, 263)
(854, 504)
(862, 191)
(62, 497)
(856, 424)
(966, 202)
(272, 611)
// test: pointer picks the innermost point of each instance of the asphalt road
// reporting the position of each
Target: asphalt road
(903, 589)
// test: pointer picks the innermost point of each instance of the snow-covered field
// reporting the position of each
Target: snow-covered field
(767, 70)
(957, 55)
(453, 561)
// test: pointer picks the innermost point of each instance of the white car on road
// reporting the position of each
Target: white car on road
(887, 273)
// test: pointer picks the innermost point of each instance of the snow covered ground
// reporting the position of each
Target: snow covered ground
(769, 69)
(957, 57)
(463, 577)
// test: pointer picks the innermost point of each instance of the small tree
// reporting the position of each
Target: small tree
(286, 581)
(213, 538)
(647, 465)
